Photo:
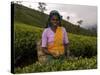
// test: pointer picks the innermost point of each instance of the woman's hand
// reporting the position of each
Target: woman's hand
(55, 54)
(45, 50)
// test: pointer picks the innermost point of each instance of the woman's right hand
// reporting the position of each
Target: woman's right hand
(46, 51)
(55, 54)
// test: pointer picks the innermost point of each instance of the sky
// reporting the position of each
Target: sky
(76, 12)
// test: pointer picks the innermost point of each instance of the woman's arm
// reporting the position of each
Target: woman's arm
(45, 50)
(44, 42)
(66, 43)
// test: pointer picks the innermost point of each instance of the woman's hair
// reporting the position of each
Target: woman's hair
(52, 13)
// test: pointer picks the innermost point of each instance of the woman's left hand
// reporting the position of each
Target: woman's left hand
(55, 54)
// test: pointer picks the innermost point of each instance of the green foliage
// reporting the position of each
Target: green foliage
(84, 46)
(55, 65)
(35, 18)
(26, 37)
(29, 16)
(25, 40)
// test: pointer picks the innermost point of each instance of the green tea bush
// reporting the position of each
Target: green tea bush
(26, 37)
(55, 65)
(84, 46)
(25, 41)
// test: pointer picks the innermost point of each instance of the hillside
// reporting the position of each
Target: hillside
(29, 16)
(35, 18)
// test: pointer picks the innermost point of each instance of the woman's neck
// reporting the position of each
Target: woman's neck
(54, 28)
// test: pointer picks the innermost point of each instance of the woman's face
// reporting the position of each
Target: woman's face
(54, 20)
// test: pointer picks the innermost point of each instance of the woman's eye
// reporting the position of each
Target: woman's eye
(54, 19)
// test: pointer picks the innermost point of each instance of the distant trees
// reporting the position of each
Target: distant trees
(68, 17)
(30, 5)
(79, 22)
(42, 6)
(93, 29)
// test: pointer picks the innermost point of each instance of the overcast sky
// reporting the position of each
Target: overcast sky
(76, 12)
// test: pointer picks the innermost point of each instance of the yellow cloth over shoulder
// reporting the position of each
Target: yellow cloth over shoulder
(57, 47)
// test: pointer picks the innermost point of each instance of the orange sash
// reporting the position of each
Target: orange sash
(57, 47)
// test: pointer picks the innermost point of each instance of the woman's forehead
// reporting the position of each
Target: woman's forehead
(54, 16)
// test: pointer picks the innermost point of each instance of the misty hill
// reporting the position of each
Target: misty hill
(33, 17)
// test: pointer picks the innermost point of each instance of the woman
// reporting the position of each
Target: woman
(54, 37)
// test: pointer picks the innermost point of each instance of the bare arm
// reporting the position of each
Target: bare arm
(45, 50)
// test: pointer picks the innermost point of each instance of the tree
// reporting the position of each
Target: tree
(68, 17)
(42, 7)
(30, 5)
(79, 22)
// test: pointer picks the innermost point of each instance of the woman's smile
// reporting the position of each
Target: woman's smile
(55, 20)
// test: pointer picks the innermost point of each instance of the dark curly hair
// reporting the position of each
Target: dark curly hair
(52, 13)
